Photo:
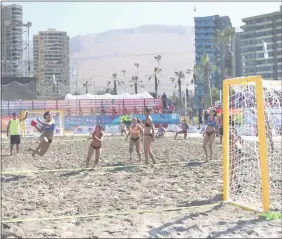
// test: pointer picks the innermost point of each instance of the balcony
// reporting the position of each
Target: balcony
(204, 44)
(203, 37)
(208, 30)
(205, 24)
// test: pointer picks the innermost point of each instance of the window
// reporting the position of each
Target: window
(265, 68)
(267, 75)
(260, 34)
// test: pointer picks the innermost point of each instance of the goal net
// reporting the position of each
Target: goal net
(252, 143)
(29, 130)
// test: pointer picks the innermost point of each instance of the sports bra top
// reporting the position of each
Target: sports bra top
(135, 131)
(96, 134)
(211, 122)
(50, 127)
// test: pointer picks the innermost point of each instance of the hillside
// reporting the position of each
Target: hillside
(100, 55)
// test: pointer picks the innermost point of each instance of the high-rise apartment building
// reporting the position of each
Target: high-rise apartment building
(52, 63)
(205, 30)
(236, 60)
(11, 40)
(258, 29)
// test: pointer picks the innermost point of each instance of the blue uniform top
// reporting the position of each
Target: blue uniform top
(211, 122)
(50, 127)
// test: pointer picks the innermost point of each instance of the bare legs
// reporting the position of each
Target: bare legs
(41, 149)
(90, 153)
(12, 147)
(147, 149)
(137, 145)
(209, 139)
(180, 132)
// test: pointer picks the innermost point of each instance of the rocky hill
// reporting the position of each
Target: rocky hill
(100, 55)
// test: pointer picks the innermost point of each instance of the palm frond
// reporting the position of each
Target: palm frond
(150, 77)
(188, 71)
(173, 79)
(109, 83)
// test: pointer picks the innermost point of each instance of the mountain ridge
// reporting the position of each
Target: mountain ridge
(99, 55)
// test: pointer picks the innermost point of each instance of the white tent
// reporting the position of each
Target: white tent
(144, 95)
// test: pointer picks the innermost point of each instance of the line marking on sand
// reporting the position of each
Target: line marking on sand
(85, 169)
(15, 220)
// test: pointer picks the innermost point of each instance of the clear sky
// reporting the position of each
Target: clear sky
(79, 18)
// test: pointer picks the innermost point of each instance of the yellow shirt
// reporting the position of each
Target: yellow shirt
(15, 127)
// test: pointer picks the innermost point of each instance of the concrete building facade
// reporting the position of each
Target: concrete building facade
(267, 28)
(52, 63)
(236, 61)
(11, 40)
(205, 30)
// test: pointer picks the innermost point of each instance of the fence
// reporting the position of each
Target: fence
(66, 125)
(85, 107)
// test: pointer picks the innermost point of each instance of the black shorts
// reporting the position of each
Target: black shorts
(15, 139)
(221, 131)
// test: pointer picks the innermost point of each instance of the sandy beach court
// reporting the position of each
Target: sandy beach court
(125, 202)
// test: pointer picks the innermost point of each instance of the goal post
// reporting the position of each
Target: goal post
(251, 166)
(28, 130)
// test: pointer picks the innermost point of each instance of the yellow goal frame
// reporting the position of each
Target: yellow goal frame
(41, 112)
(257, 81)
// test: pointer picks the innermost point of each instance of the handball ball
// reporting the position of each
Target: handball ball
(33, 123)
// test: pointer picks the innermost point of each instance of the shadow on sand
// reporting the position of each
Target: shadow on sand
(73, 173)
(161, 231)
(12, 178)
(193, 164)
(239, 225)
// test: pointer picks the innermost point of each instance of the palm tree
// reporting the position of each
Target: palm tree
(205, 68)
(158, 58)
(115, 83)
(179, 76)
(156, 77)
(86, 85)
(224, 37)
(135, 83)
(123, 72)
(137, 66)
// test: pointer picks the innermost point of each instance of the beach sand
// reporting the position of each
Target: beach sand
(180, 179)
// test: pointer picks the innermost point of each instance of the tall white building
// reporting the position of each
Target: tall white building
(52, 63)
(11, 40)
(258, 29)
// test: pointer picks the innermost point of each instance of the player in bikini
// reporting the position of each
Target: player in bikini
(210, 133)
(149, 137)
(96, 145)
(136, 135)
(46, 136)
